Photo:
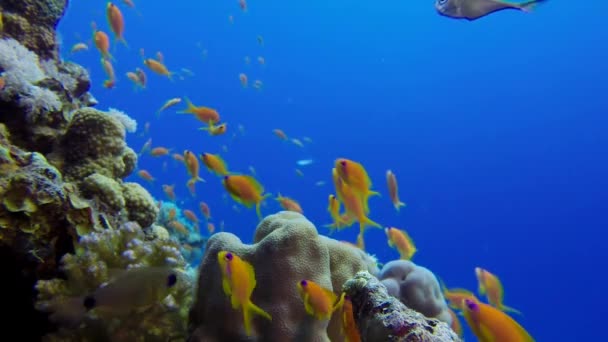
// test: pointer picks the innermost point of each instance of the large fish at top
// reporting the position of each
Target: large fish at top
(475, 9)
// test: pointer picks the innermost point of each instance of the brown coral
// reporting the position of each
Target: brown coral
(140, 205)
(286, 249)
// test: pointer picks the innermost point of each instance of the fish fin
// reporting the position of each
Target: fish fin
(340, 303)
(309, 309)
(399, 204)
(510, 309)
(248, 310)
(367, 222)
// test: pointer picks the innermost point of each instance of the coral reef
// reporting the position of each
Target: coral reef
(416, 287)
(286, 249)
(381, 317)
(97, 255)
(33, 23)
(182, 230)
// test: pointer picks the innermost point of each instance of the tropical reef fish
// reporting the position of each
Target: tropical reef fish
(289, 204)
(492, 325)
(79, 47)
(215, 130)
(475, 9)
(204, 114)
(456, 326)
(169, 103)
(193, 167)
(349, 327)
(238, 282)
(400, 240)
(116, 21)
(136, 288)
(246, 190)
(158, 68)
(491, 286)
(215, 163)
(393, 189)
(318, 301)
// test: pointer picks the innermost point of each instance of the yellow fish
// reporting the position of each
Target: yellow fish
(318, 301)
(492, 325)
(238, 281)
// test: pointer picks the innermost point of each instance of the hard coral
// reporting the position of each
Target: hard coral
(97, 256)
(416, 287)
(33, 22)
(95, 142)
(286, 249)
(139, 204)
(381, 317)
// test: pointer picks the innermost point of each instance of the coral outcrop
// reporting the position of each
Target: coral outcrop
(416, 287)
(382, 317)
(97, 255)
(286, 249)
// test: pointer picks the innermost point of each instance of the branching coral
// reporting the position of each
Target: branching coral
(97, 256)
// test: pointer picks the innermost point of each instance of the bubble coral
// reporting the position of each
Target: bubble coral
(286, 249)
(416, 287)
(382, 317)
(99, 254)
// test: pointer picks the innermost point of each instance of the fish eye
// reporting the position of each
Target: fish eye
(171, 280)
(229, 256)
(303, 283)
(226, 177)
(89, 302)
(471, 305)
(343, 162)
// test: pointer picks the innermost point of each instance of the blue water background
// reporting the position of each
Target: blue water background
(496, 129)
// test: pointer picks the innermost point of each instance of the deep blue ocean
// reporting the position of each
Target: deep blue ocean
(495, 128)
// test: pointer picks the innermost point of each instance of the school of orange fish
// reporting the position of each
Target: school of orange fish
(353, 188)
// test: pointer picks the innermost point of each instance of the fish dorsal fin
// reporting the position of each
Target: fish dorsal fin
(250, 273)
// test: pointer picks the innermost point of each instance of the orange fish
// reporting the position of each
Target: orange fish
(289, 204)
(204, 114)
(393, 189)
(279, 133)
(158, 68)
(210, 227)
(492, 325)
(190, 215)
(400, 240)
(215, 163)
(193, 166)
(102, 43)
(191, 185)
(491, 286)
(245, 190)
(172, 214)
(455, 297)
(340, 221)
(160, 151)
(179, 227)
(318, 301)
(354, 174)
(109, 70)
(116, 21)
(349, 327)
(215, 130)
(355, 207)
(238, 282)
(456, 326)
(145, 175)
(205, 210)
(178, 157)
(169, 190)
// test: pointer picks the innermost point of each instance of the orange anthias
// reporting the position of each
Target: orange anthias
(214, 129)
(116, 21)
(204, 114)
(349, 327)
(289, 204)
(318, 301)
(215, 163)
(355, 175)
(400, 240)
(491, 286)
(246, 190)
(238, 282)
(393, 190)
(492, 325)
(193, 167)
(158, 67)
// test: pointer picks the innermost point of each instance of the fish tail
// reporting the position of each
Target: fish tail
(367, 222)
(360, 241)
(189, 106)
(248, 311)
(124, 42)
(399, 204)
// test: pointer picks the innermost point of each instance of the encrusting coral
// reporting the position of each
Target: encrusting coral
(382, 317)
(99, 254)
(416, 287)
(286, 249)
